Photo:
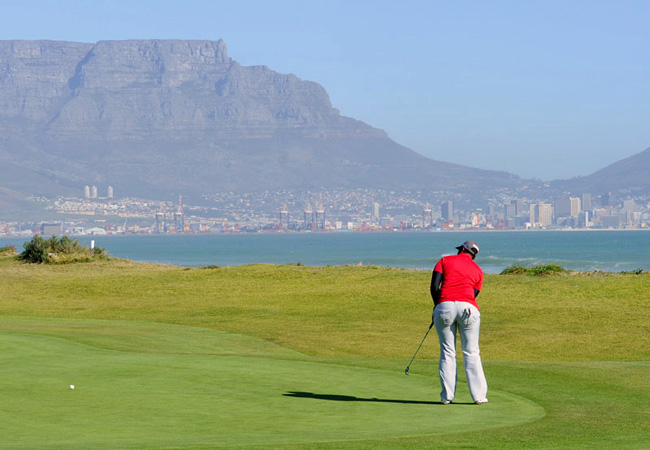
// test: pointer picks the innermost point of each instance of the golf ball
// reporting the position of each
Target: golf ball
(72, 386)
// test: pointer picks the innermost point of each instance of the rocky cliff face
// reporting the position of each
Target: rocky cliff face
(34, 77)
(153, 117)
(132, 89)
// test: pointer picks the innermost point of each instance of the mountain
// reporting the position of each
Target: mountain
(627, 176)
(161, 117)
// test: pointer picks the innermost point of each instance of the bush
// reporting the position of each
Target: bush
(58, 251)
(547, 269)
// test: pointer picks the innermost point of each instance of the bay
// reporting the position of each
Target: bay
(612, 251)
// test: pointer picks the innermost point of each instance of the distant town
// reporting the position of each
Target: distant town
(335, 210)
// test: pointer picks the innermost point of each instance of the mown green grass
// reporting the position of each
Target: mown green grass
(231, 390)
(573, 346)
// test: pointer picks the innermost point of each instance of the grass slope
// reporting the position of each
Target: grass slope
(301, 357)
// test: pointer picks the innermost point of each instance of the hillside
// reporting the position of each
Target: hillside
(628, 176)
(161, 117)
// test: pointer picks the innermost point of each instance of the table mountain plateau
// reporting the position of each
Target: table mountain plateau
(161, 117)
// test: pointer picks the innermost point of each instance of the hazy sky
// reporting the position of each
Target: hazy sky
(540, 88)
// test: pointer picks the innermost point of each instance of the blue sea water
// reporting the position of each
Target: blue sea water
(613, 251)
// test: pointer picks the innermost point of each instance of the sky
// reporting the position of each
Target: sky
(545, 89)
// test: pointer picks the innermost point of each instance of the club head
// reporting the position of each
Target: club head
(406, 372)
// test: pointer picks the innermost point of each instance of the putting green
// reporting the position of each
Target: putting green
(153, 385)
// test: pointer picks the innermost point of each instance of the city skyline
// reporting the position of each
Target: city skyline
(330, 211)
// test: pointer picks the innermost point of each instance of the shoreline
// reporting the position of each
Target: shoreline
(338, 232)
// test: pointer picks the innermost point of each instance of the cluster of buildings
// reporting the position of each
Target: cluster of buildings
(607, 212)
(91, 192)
(362, 210)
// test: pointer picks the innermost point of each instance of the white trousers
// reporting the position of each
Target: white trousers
(448, 318)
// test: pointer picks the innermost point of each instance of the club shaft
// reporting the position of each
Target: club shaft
(421, 342)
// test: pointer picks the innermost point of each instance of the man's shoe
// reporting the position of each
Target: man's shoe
(446, 402)
(481, 402)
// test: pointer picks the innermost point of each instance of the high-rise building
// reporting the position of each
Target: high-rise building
(87, 191)
(447, 211)
(110, 192)
(629, 208)
(93, 192)
(284, 217)
(586, 202)
(427, 216)
(575, 206)
(519, 207)
(545, 212)
(562, 207)
(541, 214)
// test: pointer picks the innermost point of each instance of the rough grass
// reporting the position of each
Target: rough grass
(8, 251)
(344, 311)
(576, 344)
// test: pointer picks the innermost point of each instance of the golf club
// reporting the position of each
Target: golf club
(418, 349)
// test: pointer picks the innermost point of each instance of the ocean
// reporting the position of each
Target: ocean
(611, 250)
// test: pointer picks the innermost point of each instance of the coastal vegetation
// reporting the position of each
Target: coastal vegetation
(57, 250)
(304, 357)
(546, 269)
(555, 269)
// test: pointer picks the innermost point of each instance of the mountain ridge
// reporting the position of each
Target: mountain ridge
(157, 117)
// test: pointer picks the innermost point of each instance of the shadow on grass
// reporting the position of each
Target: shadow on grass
(350, 398)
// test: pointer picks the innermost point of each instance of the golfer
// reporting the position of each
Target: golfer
(455, 284)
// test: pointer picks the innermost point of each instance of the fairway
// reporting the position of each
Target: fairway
(183, 386)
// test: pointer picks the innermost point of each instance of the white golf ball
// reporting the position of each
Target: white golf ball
(72, 386)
